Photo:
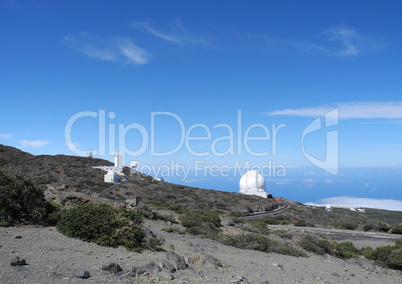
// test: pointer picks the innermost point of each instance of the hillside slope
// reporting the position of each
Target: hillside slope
(71, 179)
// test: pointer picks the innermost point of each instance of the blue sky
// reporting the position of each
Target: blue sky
(205, 75)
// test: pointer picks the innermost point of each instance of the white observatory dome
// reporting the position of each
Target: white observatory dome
(253, 183)
(159, 179)
(89, 154)
(134, 164)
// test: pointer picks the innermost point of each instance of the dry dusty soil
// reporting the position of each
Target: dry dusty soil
(53, 258)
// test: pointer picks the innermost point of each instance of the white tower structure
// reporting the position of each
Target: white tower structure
(253, 183)
(89, 154)
(118, 161)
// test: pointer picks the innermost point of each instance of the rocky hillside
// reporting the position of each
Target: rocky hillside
(71, 179)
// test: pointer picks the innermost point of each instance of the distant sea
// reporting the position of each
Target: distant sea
(311, 184)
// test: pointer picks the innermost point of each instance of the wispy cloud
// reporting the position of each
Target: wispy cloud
(34, 143)
(118, 50)
(6, 136)
(389, 204)
(360, 110)
(341, 41)
(133, 53)
(177, 34)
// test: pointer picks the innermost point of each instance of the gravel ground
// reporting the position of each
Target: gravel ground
(54, 258)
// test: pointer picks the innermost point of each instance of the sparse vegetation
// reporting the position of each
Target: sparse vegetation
(387, 256)
(201, 222)
(321, 246)
(167, 206)
(172, 230)
(258, 242)
(347, 226)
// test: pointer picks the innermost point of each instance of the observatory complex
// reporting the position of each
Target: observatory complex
(253, 183)
(112, 171)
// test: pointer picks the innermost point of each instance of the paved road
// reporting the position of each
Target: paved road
(263, 214)
(358, 238)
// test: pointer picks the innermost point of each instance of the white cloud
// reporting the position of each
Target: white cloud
(359, 110)
(342, 42)
(6, 136)
(34, 143)
(178, 34)
(133, 53)
(117, 50)
(389, 204)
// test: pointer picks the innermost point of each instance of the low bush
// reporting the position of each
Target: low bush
(237, 220)
(380, 255)
(388, 256)
(284, 234)
(180, 209)
(320, 246)
(201, 222)
(172, 230)
(346, 226)
(302, 223)
(258, 242)
(21, 201)
(103, 225)
(396, 230)
(394, 260)
(261, 226)
(277, 220)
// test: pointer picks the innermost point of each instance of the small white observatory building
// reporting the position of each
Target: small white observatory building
(160, 179)
(253, 183)
(111, 176)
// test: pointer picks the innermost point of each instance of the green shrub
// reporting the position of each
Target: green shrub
(320, 246)
(315, 245)
(21, 201)
(383, 227)
(258, 242)
(201, 222)
(396, 230)
(172, 230)
(260, 226)
(398, 242)
(380, 254)
(301, 223)
(238, 220)
(276, 220)
(345, 250)
(394, 260)
(103, 225)
(284, 234)
(180, 209)
(347, 226)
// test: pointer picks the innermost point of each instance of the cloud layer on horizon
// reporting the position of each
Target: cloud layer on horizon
(34, 143)
(388, 204)
(359, 110)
